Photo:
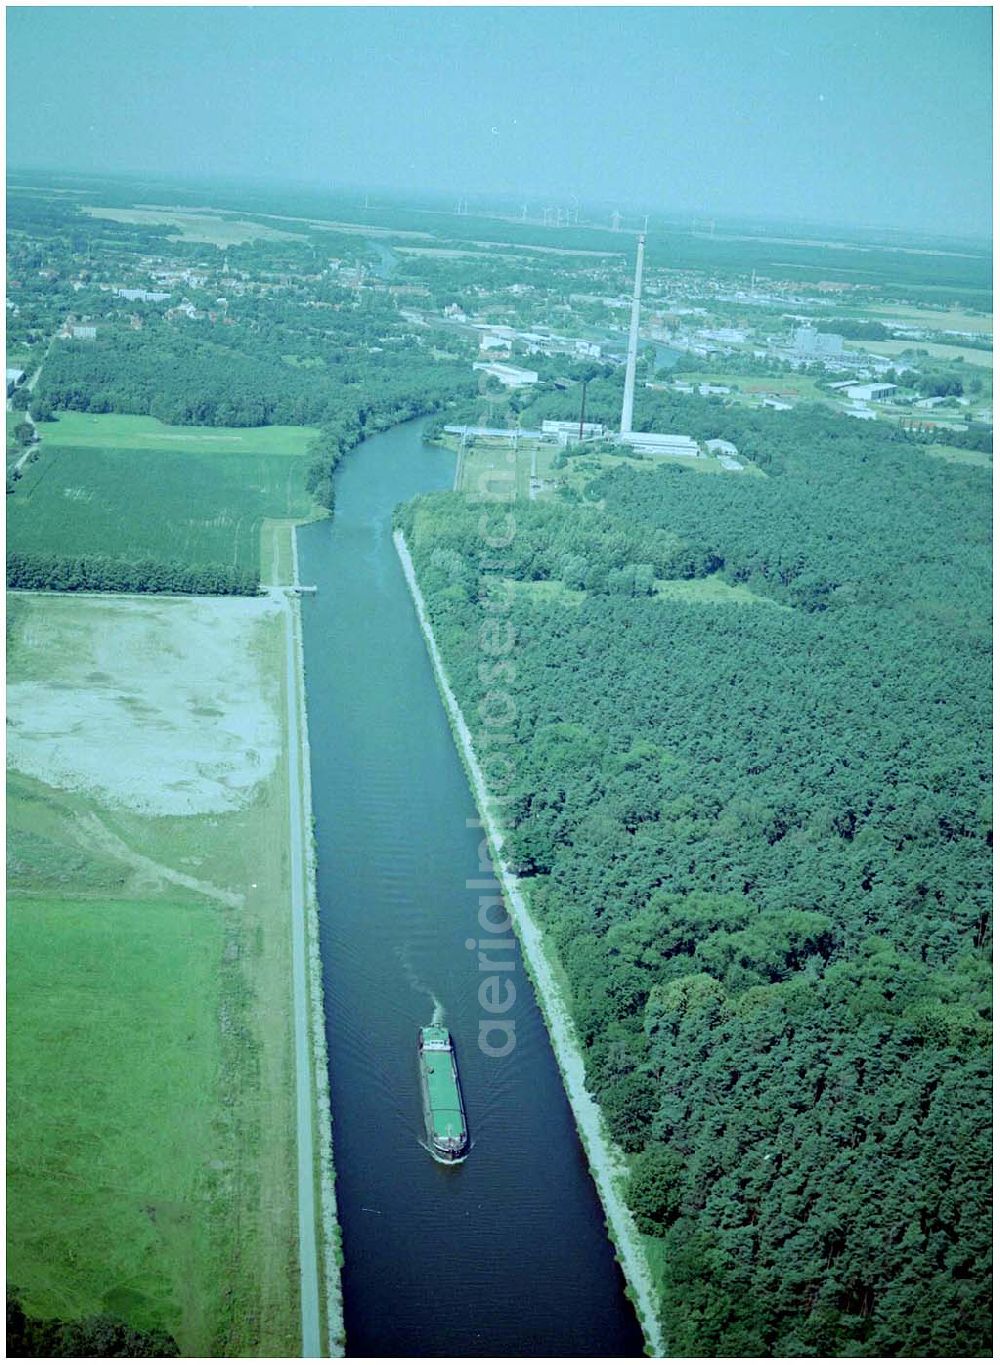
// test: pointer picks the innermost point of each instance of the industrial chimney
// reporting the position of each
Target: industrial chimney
(633, 342)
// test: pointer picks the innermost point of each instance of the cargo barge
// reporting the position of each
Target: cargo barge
(441, 1093)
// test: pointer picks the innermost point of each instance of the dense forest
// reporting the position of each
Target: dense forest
(755, 824)
(199, 375)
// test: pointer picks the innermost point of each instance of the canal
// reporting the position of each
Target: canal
(506, 1254)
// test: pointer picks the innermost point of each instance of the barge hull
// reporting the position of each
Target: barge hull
(441, 1094)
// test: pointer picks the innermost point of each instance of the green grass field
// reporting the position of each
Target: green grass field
(581, 469)
(488, 466)
(714, 588)
(190, 226)
(134, 488)
(112, 1058)
(798, 386)
(937, 350)
(86, 429)
(151, 1122)
(945, 319)
(958, 455)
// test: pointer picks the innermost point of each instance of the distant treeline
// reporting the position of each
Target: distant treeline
(101, 573)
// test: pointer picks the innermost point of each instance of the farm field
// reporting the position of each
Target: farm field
(939, 350)
(151, 1119)
(192, 226)
(947, 319)
(132, 488)
(794, 386)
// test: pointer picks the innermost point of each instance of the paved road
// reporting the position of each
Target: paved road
(308, 1261)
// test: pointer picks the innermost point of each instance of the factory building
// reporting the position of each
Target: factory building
(493, 342)
(510, 376)
(870, 393)
(142, 295)
(809, 341)
(659, 443)
(566, 433)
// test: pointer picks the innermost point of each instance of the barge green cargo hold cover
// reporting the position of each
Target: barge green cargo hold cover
(447, 1116)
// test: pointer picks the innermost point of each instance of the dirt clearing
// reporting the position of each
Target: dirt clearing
(161, 707)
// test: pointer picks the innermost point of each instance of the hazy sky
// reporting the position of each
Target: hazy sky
(858, 115)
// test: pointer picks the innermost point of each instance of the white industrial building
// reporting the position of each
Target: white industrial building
(870, 393)
(720, 447)
(492, 342)
(495, 433)
(659, 443)
(510, 376)
(566, 433)
(809, 341)
(142, 295)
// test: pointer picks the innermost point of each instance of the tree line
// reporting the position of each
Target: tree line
(104, 573)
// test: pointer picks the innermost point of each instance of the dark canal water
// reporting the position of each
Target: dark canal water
(507, 1254)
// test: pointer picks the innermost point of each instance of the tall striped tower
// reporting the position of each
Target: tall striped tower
(633, 341)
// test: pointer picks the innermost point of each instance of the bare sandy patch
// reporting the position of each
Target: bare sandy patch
(161, 706)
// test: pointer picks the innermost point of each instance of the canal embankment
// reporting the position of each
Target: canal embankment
(321, 1304)
(606, 1162)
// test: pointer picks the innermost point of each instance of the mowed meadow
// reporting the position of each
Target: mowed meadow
(150, 1118)
(133, 488)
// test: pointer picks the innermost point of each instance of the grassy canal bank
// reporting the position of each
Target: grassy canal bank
(151, 1078)
(607, 1163)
